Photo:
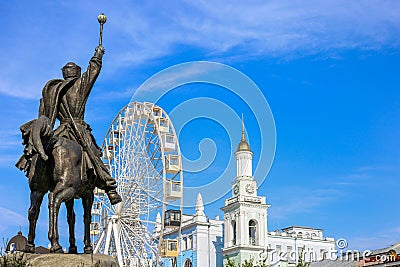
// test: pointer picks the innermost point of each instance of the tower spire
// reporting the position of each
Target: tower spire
(243, 136)
(200, 216)
(243, 145)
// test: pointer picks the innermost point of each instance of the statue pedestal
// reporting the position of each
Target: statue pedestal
(67, 260)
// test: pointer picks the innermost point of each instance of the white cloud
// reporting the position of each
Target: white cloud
(10, 138)
(268, 28)
(9, 160)
(301, 200)
(135, 35)
(376, 240)
(306, 199)
(10, 218)
(168, 78)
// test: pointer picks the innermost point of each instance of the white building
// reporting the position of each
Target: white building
(243, 234)
(286, 245)
(201, 240)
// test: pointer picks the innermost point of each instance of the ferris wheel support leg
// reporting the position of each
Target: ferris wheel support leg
(97, 247)
(117, 243)
(108, 238)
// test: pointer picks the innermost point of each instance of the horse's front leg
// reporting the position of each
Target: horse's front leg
(33, 215)
(71, 226)
(87, 202)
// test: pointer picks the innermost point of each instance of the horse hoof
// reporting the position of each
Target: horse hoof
(73, 250)
(88, 250)
(56, 249)
(29, 248)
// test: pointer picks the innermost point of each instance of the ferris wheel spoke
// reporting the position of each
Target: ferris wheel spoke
(105, 203)
(140, 241)
(138, 247)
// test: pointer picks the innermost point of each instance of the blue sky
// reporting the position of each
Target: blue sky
(328, 69)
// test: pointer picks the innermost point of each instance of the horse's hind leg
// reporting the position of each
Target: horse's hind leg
(87, 202)
(33, 215)
(56, 197)
(71, 226)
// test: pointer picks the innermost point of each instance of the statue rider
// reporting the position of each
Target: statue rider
(65, 100)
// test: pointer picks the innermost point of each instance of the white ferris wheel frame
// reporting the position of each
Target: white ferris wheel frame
(115, 226)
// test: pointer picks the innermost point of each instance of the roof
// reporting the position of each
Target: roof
(19, 241)
(395, 247)
(332, 263)
(41, 250)
(302, 227)
(243, 146)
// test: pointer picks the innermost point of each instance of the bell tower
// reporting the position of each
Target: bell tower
(245, 213)
(244, 184)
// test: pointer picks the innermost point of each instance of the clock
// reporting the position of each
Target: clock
(249, 188)
(236, 189)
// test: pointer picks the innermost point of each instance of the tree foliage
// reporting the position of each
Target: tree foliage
(301, 262)
(245, 263)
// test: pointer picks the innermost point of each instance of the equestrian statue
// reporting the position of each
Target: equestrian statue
(66, 161)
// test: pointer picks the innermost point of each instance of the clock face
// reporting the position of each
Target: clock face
(250, 188)
(236, 189)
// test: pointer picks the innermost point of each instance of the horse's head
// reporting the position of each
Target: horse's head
(41, 134)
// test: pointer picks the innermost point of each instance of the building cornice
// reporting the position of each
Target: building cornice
(230, 250)
(235, 205)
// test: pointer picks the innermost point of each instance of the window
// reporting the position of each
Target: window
(173, 245)
(190, 242)
(172, 218)
(185, 243)
(188, 263)
(300, 235)
(300, 252)
(323, 254)
(234, 232)
(252, 232)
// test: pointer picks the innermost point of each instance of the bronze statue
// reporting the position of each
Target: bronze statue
(65, 161)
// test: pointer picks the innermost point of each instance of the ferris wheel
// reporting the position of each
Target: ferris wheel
(141, 151)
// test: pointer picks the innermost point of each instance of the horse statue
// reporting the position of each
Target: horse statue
(56, 167)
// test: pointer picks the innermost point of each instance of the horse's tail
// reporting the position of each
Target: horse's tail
(41, 132)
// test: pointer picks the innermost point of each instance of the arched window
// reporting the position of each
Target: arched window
(313, 235)
(252, 232)
(234, 232)
(188, 263)
(300, 235)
